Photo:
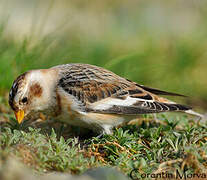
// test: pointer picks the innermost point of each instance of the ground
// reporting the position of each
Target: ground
(171, 143)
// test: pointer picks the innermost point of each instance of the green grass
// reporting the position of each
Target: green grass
(171, 143)
(178, 65)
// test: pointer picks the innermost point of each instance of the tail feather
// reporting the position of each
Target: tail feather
(194, 113)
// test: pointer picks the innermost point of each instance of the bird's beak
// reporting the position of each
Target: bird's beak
(19, 115)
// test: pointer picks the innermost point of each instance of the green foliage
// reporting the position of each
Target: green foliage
(177, 64)
(44, 152)
(146, 148)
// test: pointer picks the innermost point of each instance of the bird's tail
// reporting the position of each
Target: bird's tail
(201, 116)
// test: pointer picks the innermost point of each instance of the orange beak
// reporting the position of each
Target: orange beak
(19, 115)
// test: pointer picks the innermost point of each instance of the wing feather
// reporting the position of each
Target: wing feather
(132, 106)
(100, 90)
(159, 92)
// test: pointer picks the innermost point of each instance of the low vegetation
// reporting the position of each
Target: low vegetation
(171, 143)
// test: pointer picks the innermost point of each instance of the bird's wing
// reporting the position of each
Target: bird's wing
(135, 101)
(102, 91)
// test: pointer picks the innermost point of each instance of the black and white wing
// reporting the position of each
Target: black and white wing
(102, 91)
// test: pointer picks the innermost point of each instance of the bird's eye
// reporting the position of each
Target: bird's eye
(24, 100)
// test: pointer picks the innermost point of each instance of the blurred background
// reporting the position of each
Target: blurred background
(162, 44)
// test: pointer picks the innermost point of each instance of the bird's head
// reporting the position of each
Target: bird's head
(31, 92)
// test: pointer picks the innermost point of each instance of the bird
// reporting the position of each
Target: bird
(87, 96)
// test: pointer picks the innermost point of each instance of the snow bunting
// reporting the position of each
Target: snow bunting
(86, 95)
